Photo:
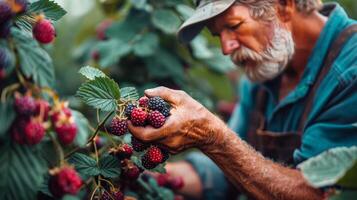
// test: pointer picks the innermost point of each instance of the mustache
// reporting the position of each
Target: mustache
(243, 54)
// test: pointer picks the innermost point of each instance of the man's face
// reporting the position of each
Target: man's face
(262, 48)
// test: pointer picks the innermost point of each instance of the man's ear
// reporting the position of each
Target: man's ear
(286, 9)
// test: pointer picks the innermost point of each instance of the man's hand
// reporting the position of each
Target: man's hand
(189, 125)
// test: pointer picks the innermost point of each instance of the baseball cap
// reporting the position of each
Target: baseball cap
(206, 9)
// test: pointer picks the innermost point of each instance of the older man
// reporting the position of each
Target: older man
(299, 97)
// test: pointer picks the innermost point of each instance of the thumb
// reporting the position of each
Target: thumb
(169, 95)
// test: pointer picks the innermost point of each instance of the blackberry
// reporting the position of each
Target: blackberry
(130, 170)
(113, 195)
(123, 152)
(138, 145)
(165, 154)
(166, 111)
(156, 103)
(154, 155)
(129, 108)
(118, 126)
(156, 119)
(146, 162)
(5, 29)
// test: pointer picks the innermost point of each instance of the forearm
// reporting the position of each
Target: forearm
(258, 176)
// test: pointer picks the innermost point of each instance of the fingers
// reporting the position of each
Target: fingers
(169, 95)
(146, 134)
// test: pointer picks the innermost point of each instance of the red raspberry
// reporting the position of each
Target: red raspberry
(33, 132)
(152, 157)
(143, 102)
(162, 180)
(64, 181)
(42, 107)
(138, 117)
(25, 105)
(113, 195)
(156, 119)
(138, 145)
(118, 126)
(66, 133)
(44, 31)
(61, 114)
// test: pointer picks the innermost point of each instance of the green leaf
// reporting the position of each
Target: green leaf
(200, 48)
(101, 93)
(35, 62)
(219, 62)
(160, 169)
(7, 116)
(146, 45)
(166, 20)
(22, 170)
(111, 51)
(83, 131)
(185, 11)
(333, 167)
(85, 164)
(50, 8)
(129, 93)
(109, 166)
(91, 73)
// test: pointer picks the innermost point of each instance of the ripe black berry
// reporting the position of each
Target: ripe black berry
(5, 12)
(156, 103)
(166, 111)
(25, 105)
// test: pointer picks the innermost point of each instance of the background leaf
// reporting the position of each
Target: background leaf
(101, 93)
(50, 8)
(91, 73)
(332, 167)
(35, 62)
(166, 20)
(22, 170)
(7, 116)
(146, 45)
(83, 131)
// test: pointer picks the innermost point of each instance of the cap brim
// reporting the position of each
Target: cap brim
(194, 25)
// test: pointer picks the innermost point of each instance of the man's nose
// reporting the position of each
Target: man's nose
(228, 44)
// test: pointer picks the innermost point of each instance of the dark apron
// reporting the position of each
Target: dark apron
(280, 146)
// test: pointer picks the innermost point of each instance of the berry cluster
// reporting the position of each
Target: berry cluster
(35, 116)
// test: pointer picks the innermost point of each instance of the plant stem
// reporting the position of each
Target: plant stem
(58, 149)
(101, 124)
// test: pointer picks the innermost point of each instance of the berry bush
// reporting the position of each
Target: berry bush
(48, 149)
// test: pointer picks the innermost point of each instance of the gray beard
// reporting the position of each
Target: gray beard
(271, 62)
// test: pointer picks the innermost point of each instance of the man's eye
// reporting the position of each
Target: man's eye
(236, 26)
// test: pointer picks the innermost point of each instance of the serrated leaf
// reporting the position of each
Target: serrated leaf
(146, 45)
(101, 93)
(35, 62)
(84, 164)
(332, 167)
(160, 169)
(49, 8)
(7, 116)
(83, 131)
(166, 20)
(129, 93)
(91, 73)
(22, 170)
(109, 166)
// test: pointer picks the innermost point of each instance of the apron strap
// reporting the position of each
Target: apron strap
(334, 51)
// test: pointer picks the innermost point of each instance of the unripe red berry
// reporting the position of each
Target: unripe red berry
(66, 132)
(33, 132)
(44, 31)
(156, 119)
(143, 102)
(138, 117)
